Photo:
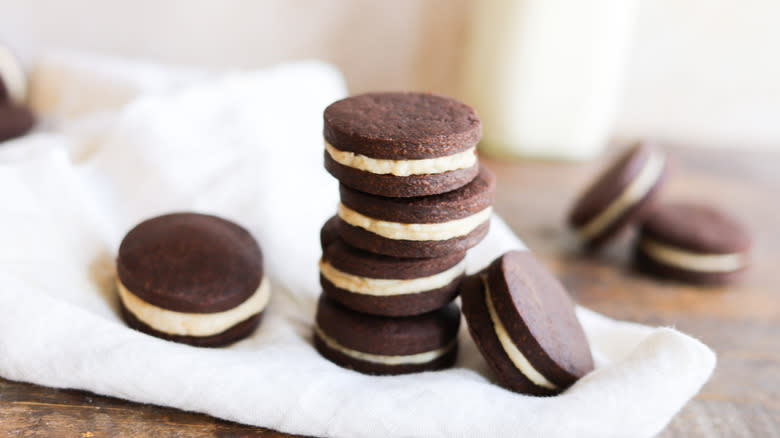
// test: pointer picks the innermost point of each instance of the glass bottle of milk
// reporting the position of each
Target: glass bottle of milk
(545, 75)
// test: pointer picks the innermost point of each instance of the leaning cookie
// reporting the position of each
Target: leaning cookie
(693, 243)
(523, 322)
(13, 80)
(192, 278)
(383, 285)
(379, 345)
(430, 226)
(619, 196)
(401, 144)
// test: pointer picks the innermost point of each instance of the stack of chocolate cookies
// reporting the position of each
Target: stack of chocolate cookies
(413, 200)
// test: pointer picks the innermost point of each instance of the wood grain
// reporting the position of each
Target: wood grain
(741, 322)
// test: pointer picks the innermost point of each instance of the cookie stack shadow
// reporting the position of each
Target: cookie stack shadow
(413, 200)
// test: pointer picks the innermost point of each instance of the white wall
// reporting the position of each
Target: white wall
(706, 72)
(378, 44)
(702, 72)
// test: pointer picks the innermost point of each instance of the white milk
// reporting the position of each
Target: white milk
(546, 75)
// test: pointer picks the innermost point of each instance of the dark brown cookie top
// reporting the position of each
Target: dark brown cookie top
(610, 184)
(15, 121)
(390, 336)
(401, 126)
(353, 261)
(538, 315)
(329, 232)
(467, 200)
(190, 262)
(696, 227)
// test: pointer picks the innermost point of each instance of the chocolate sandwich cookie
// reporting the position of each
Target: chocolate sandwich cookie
(401, 144)
(13, 80)
(15, 121)
(383, 285)
(619, 196)
(523, 322)
(429, 226)
(374, 344)
(693, 243)
(192, 278)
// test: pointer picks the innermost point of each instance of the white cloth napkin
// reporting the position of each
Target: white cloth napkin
(247, 146)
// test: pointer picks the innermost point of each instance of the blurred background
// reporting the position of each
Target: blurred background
(696, 72)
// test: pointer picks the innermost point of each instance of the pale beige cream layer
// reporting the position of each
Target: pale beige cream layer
(194, 324)
(633, 193)
(385, 287)
(517, 358)
(13, 76)
(425, 166)
(691, 261)
(416, 232)
(409, 359)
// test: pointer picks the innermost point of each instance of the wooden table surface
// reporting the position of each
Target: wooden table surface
(741, 322)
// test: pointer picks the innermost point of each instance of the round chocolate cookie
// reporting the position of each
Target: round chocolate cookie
(15, 121)
(523, 321)
(694, 243)
(191, 278)
(383, 285)
(382, 345)
(13, 80)
(620, 195)
(401, 144)
(429, 226)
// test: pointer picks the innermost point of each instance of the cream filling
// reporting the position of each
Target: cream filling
(416, 232)
(425, 166)
(409, 359)
(692, 261)
(13, 76)
(517, 358)
(194, 324)
(384, 287)
(638, 189)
